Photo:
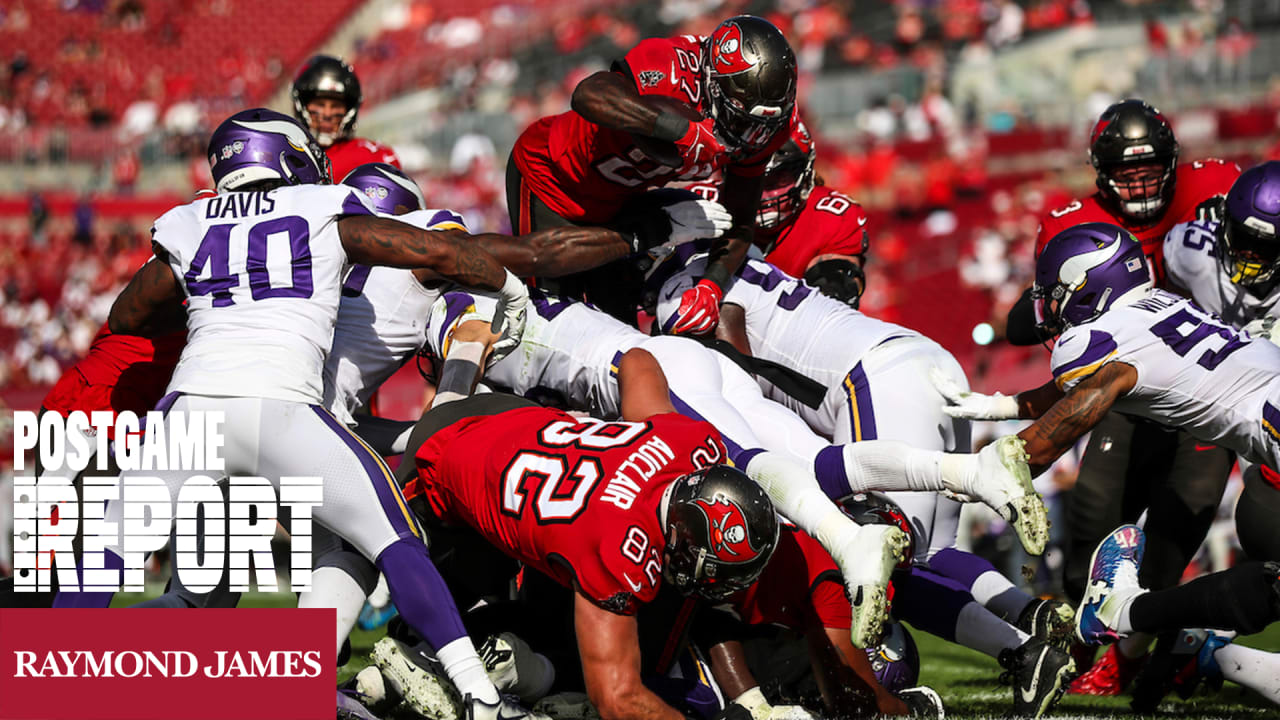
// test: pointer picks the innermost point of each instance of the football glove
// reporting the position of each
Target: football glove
(509, 317)
(696, 220)
(699, 148)
(699, 311)
(754, 702)
(1210, 210)
(1262, 329)
(968, 405)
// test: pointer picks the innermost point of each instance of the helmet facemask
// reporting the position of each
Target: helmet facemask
(1144, 195)
(787, 183)
(1248, 251)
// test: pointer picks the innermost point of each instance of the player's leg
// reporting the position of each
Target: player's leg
(1258, 513)
(704, 388)
(363, 505)
(1183, 504)
(341, 579)
(1096, 506)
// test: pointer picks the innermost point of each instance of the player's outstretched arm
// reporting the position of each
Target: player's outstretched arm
(1076, 414)
(733, 328)
(845, 677)
(151, 303)
(609, 645)
(642, 386)
(449, 253)
(700, 305)
(559, 251)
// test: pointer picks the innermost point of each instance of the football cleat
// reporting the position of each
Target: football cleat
(1110, 674)
(1113, 582)
(1179, 662)
(507, 708)
(1053, 621)
(922, 702)
(1002, 481)
(1039, 673)
(418, 678)
(350, 708)
(515, 668)
(875, 551)
(373, 617)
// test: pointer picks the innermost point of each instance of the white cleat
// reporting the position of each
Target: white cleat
(508, 708)
(421, 683)
(1003, 482)
(875, 552)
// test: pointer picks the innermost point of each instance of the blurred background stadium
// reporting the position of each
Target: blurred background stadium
(955, 122)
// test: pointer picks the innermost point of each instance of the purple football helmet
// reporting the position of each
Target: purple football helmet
(257, 145)
(389, 190)
(895, 661)
(1247, 244)
(1085, 270)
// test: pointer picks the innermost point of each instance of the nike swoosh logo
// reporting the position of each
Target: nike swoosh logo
(1029, 694)
(1202, 448)
(862, 221)
(635, 586)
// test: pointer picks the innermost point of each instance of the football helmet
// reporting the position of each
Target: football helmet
(721, 530)
(260, 145)
(327, 76)
(876, 508)
(1247, 244)
(788, 180)
(387, 188)
(1083, 271)
(895, 661)
(749, 72)
(838, 279)
(1128, 134)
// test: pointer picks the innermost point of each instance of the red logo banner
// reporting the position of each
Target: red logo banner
(145, 664)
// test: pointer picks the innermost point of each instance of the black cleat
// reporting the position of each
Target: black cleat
(1039, 673)
(1053, 621)
(922, 702)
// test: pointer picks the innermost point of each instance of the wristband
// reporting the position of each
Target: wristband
(670, 126)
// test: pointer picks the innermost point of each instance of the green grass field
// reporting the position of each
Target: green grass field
(965, 679)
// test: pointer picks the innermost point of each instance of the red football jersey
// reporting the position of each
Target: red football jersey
(800, 588)
(586, 173)
(120, 372)
(1195, 182)
(830, 223)
(575, 498)
(350, 153)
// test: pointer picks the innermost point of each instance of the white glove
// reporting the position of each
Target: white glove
(509, 317)
(1262, 329)
(968, 405)
(755, 703)
(695, 220)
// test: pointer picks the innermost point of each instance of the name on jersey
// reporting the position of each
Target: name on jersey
(239, 205)
(1157, 302)
(638, 469)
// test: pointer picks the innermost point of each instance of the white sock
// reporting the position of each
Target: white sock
(994, 592)
(796, 496)
(1137, 644)
(331, 587)
(889, 466)
(463, 666)
(977, 628)
(1255, 669)
(381, 595)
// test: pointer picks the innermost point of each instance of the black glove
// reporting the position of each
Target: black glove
(1210, 210)
(838, 278)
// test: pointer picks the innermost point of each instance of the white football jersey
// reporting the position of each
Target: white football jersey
(1194, 372)
(262, 272)
(789, 323)
(1192, 264)
(382, 323)
(568, 348)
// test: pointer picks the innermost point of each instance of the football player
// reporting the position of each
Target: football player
(257, 348)
(326, 98)
(1130, 465)
(1127, 346)
(620, 139)
(805, 228)
(612, 510)
(874, 386)
(571, 353)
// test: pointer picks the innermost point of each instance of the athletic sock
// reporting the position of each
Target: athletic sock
(877, 465)
(1255, 669)
(334, 588)
(988, 586)
(1239, 599)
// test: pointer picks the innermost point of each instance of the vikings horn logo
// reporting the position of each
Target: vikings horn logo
(727, 530)
(726, 51)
